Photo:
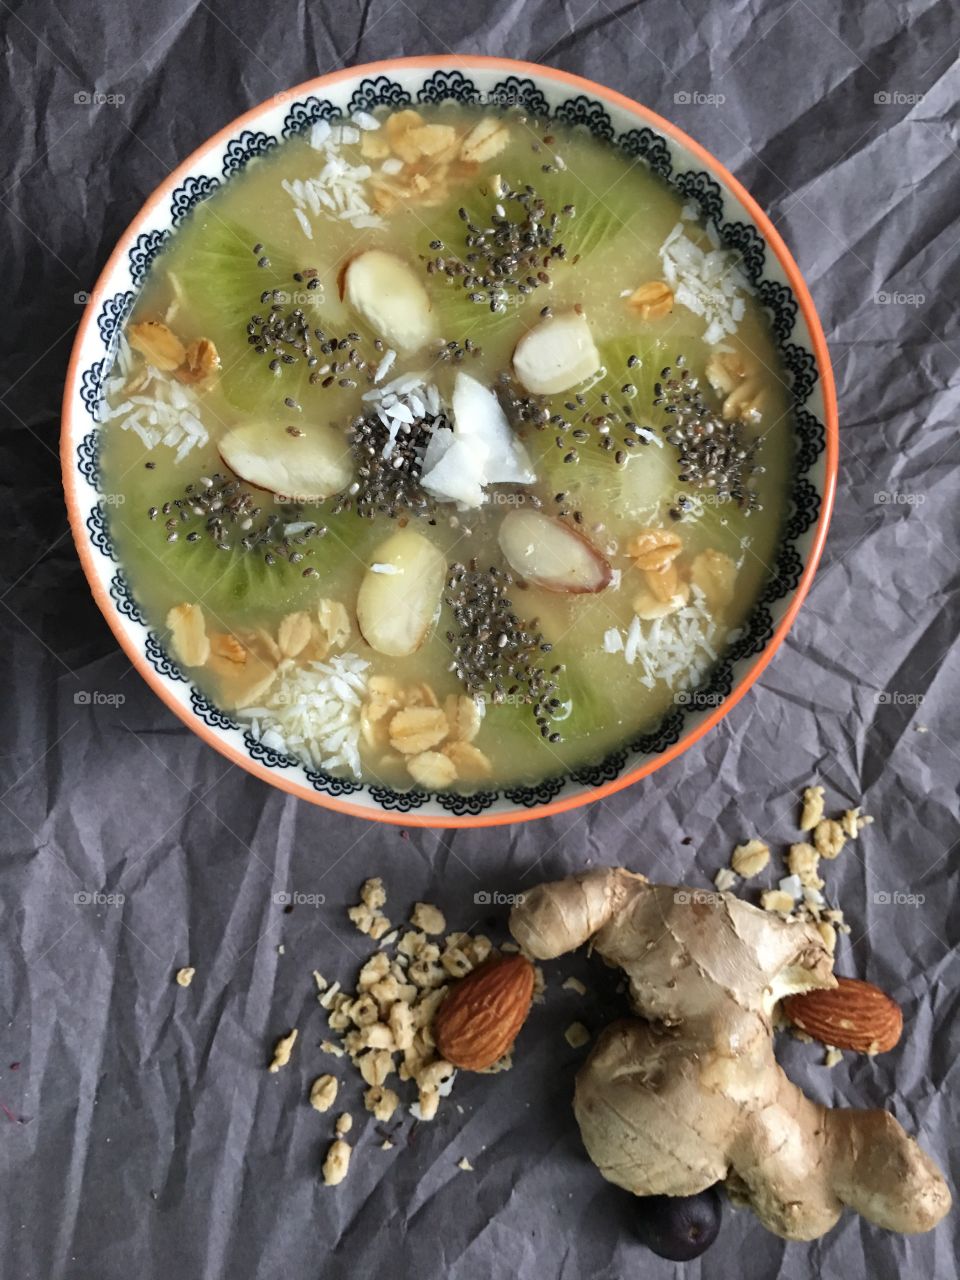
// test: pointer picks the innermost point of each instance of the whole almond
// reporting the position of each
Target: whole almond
(853, 1015)
(479, 1019)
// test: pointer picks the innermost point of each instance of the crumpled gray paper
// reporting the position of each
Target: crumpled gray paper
(142, 1134)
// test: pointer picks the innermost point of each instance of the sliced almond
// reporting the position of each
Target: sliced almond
(158, 345)
(552, 554)
(390, 296)
(188, 637)
(397, 610)
(307, 467)
(556, 354)
(485, 140)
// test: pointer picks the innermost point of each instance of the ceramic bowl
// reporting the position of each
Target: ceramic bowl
(638, 133)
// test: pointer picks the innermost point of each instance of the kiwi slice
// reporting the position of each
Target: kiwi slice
(583, 228)
(226, 285)
(228, 581)
(596, 484)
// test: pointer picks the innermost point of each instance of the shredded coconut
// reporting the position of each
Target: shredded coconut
(675, 649)
(313, 712)
(160, 410)
(339, 189)
(706, 282)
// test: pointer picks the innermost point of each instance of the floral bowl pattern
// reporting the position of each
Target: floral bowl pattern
(640, 134)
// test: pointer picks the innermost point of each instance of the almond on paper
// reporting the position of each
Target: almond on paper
(482, 1014)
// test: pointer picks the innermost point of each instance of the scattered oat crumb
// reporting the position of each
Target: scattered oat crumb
(367, 915)
(281, 950)
(336, 1163)
(334, 1049)
(344, 1124)
(320, 980)
(185, 976)
(812, 810)
(724, 879)
(576, 1035)
(328, 996)
(803, 861)
(777, 900)
(802, 1036)
(427, 917)
(386, 1145)
(828, 838)
(509, 946)
(574, 984)
(853, 822)
(832, 1057)
(750, 859)
(282, 1050)
(323, 1093)
(465, 1165)
(381, 1102)
(373, 894)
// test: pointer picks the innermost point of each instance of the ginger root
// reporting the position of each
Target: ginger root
(690, 1093)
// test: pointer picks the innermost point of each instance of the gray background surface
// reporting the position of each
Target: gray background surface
(140, 1134)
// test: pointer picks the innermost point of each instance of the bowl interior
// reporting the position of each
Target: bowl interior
(639, 134)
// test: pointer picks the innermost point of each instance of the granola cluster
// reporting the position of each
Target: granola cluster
(384, 1025)
(410, 727)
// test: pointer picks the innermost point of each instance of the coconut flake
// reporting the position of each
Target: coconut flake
(163, 412)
